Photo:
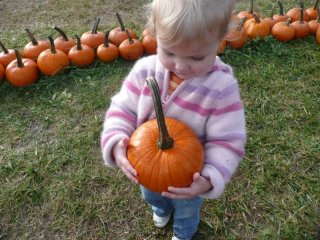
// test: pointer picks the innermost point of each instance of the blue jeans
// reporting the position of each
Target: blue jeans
(186, 212)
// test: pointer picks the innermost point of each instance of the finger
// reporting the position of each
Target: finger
(175, 196)
(130, 176)
(195, 176)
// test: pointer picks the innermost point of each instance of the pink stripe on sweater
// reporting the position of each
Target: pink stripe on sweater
(237, 151)
(122, 115)
(105, 139)
(132, 88)
(203, 111)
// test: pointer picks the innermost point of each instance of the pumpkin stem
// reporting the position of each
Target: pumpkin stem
(79, 47)
(52, 47)
(288, 21)
(106, 39)
(19, 60)
(256, 18)
(32, 38)
(5, 51)
(165, 141)
(316, 5)
(63, 35)
(120, 22)
(129, 37)
(251, 7)
(301, 16)
(242, 21)
(302, 4)
(281, 11)
(95, 26)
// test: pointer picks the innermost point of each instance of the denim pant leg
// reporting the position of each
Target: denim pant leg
(186, 217)
(160, 205)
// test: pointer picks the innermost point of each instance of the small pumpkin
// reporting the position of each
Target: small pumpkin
(22, 72)
(301, 27)
(164, 151)
(256, 28)
(118, 35)
(93, 38)
(237, 37)
(52, 61)
(313, 11)
(295, 13)
(281, 16)
(2, 72)
(149, 42)
(81, 54)
(314, 24)
(33, 49)
(131, 49)
(283, 31)
(6, 56)
(63, 43)
(107, 52)
(248, 14)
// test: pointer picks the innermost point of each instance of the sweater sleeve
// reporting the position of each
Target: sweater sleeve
(225, 139)
(121, 118)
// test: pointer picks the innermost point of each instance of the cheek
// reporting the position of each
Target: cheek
(166, 61)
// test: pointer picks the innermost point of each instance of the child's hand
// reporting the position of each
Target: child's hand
(120, 155)
(198, 186)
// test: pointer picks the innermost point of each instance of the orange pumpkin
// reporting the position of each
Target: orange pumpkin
(237, 37)
(131, 49)
(2, 71)
(162, 160)
(222, 46)
(256, 28)
(63, 43)
(149, 43)
(314, 24)
(313, 11)
(81, 54)
(22, 72)
(295, 13)
(6, 56)
(107, 52)
(301, 27)
(33, 49)
(93, 38)
(318, 35)
(52, 61)
(118, 35)
(283, 31)
(248, 14)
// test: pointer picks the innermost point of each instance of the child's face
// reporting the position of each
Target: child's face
(189, 60)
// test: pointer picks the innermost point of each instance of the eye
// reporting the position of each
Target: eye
(197, 58)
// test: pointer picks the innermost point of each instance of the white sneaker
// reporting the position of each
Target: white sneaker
(160, 222)
(175, 238)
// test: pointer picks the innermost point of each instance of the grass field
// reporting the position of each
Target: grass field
(53, 182)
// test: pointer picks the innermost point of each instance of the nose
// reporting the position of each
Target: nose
(181, 65)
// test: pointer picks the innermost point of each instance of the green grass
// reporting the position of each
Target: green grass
(54, 185)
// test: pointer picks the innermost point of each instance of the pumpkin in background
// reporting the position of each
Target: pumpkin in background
(107, 52)
(283, 31)
(131, 49)
(295, 13)
(281, 16)
(93, 38)
(237, 37)
(2, 71)
(256, 28)
(149, 42)
(52, 61)
(118, 35)
(313, 11)
(63, 43)
(301, 27)
(164, 151)
(318, 35)
(6, 56)
(314, 24)
(81, 54)
(248, 14)
(222, 46)
(22, 72)
(33, 49)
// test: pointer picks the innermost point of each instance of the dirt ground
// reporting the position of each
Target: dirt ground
(15, 15)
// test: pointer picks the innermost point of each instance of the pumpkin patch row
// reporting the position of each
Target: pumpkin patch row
(52, 56)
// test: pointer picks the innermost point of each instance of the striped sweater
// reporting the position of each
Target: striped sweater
(209, 104)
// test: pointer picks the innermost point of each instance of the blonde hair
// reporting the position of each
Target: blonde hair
(176, 21)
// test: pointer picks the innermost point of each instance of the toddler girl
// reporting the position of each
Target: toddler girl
(196, 88)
